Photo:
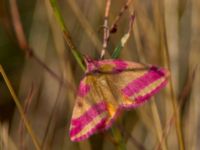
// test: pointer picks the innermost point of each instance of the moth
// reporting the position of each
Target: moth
(108, 87)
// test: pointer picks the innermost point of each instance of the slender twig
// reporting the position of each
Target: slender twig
(132, 18)
(26, 107)
(113, 27)
(20, 109)
(106, 28)
(23, 44)
(124, 39)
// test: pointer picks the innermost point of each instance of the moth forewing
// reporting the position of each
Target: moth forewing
(108, 87)
(90, 111)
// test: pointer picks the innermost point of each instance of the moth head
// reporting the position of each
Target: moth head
(106, 65)
(91, 64)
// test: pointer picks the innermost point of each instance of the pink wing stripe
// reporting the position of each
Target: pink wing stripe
(98, 127)
(91, 113)
(87, 117)
(136, 85)
(140, 99)
(83, 89)
(120, 65)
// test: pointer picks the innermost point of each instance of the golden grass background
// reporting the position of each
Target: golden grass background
(160, 27)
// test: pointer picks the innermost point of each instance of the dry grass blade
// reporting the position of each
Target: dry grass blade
(20, 109)
(154, 109)
(185, 92)
(52, 115)
(85, 24)
(188, 86)
(23, 44)
(165, 54)
(157, 122)
(106, 28)
(21, 125)
(176, 110)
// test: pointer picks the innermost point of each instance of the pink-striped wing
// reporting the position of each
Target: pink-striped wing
(90, 110)
(108, 87)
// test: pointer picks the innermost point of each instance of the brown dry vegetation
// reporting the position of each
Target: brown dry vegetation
(165, 33)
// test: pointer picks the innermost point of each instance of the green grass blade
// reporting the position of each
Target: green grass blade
(120, 46)
(117, 51)
(77, 55)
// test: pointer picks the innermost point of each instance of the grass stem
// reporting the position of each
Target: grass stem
(66, 34)
(20, 108)
(174, 99)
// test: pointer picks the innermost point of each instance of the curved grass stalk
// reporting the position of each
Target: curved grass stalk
(175, 108)
(20, 109)
(158, 125)
(173, 98)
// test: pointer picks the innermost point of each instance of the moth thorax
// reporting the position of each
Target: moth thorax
(91, 66)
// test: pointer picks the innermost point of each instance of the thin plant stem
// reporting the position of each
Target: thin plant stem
(165, 133)
(158, 125)
(66, 33)
(124, 39)
(185, 92)
(18, 26)
(106, 28)
(113, 27)
(154, 107)
(26, 107)
(85, 24)
(20, 109)
(22, 41)
(51, 116)
(160, 22)
(113, 30)
(174, 100)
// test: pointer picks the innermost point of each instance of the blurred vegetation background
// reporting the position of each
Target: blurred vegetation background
(165, 33)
